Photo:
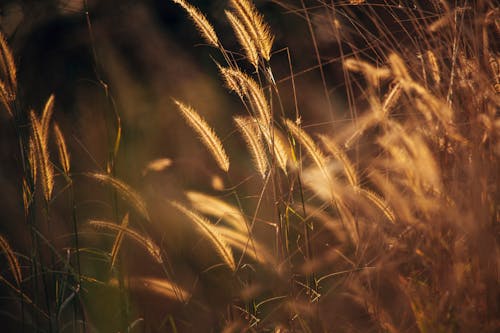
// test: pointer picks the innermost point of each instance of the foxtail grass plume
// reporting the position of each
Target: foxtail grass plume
(14, 266)
(157, 165)
(145, 242)
(8, 72)
(161, 287)
(216, 207)
(372, 74)
(243, 242)
(44, 167)
(391, 99)
(125, 191)
(255, 26)
(206, 133)
(244, 85)
(211, 233)
(201, 22)
(249, 128)
(47, 113)
(278, 147)
(244, 38)
(32, 158)
(312, 149)
(433, 64)
(62, 148)
(379, 203)
(349, 169)
(398, 67)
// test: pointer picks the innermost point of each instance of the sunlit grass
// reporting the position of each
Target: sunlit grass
(383, 221)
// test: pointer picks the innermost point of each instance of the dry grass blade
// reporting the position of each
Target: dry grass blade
(118, 240)
(210, 205)
(207, 135)
(161, 287)
(245, 39)
(12, 260)
(337, 153)
(255, 26)
(8, 73)
(125, 191)
(312, 149)
(145, 242)
(42, 156)
(62, 148)
(249, 128)
(211, 233)
(201, 22)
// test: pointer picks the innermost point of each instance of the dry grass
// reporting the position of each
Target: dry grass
(383, 218)
(207, 135)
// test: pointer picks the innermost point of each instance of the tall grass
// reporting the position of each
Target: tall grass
(383, 219)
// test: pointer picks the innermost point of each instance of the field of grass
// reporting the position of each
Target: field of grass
(277, 166)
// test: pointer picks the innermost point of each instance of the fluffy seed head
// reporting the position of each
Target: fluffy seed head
(206, 134)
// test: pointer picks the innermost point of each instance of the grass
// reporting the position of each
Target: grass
(384, 218)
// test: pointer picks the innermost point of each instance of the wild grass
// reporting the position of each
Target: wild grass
(207, 135)
(383, 218)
